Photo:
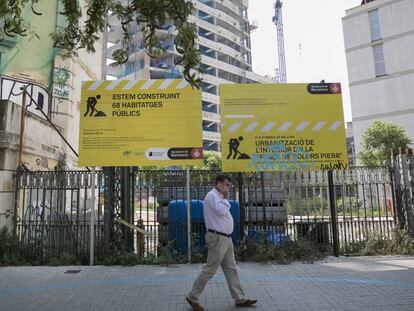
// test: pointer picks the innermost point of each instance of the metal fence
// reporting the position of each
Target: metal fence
(279, 206)
(403, 171)
(54, 209)
(53, 214)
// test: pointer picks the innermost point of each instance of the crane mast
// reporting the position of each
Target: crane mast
(278, 20)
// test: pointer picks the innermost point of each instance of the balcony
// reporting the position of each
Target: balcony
(213, 136)
(211, 98)
(259, 78)
(231, 6)
(214, 80)
(208, 17)
(160, 63)
(209, 88)
(210, 107)
(211, 145)
(219, 64)
(211, 117)
(214, 29)
(116, 33)
(115, 71)
(207, 51)
(217, 12)
(208, 70)
(234, 28)
(231, 21)
(134, 52)
(220, 47)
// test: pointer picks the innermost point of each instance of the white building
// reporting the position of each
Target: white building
(379, 45)
(224, 42)
(350, 143)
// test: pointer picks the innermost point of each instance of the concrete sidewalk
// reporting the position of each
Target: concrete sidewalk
(361, 283)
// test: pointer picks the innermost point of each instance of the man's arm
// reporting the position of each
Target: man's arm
(219, 205)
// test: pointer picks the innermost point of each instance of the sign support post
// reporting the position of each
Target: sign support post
(92, 225)
(188, 213)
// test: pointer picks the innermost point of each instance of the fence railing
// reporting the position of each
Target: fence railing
(279, 205)
(403, 171)
(54, 209)
(53, 214)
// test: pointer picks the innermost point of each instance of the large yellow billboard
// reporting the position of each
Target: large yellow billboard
(282, 127)
(140, 123)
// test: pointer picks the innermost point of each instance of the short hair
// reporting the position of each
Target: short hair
(221, 178)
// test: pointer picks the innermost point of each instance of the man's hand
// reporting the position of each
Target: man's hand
(226, 192)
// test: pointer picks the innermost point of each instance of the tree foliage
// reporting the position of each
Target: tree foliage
(82, 33)
(212, 160)
(378, 141)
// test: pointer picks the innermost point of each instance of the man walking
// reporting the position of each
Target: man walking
(219, 224)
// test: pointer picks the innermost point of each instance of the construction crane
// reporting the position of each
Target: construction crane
(278, 20)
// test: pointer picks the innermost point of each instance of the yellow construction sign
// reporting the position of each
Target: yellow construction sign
(282, 127)
(140, 123)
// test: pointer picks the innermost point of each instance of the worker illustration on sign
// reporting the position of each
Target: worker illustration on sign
(234, 144)
(90, 104)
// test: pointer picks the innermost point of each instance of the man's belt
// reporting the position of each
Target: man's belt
(220, 233)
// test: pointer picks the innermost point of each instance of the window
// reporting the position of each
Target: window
(379, 60)
(374, 25)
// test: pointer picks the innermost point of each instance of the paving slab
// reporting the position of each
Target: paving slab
(354, 283)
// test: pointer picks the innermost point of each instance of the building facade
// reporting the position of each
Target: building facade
(379, 42)
(54, 84)
(350, 144)
(224, 43)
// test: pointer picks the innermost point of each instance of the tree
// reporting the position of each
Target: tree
(79, 34)
(378, 141)
(212, 160)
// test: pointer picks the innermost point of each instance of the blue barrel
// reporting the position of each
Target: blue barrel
(235, 210)
(276, 237)
(177, 216)
(177, 211)
(177, 229)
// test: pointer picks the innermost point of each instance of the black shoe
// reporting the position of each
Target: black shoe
(246, 303)
(194, 305)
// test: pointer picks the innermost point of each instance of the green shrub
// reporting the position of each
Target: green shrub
(311, 206)
(10, 250)
(262, 250)
(400, 243)
(65, 259)
(348, 204)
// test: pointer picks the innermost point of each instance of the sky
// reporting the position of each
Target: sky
(314, 42)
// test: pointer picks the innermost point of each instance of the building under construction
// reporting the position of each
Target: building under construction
(224, 43)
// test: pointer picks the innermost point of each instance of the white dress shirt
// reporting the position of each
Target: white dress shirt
(217, 212)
